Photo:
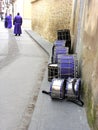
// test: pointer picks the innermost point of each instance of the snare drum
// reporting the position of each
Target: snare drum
(59, 43)
(67, 66)
(73, 86)
(57, 88)
(59, 50)
(52, 71)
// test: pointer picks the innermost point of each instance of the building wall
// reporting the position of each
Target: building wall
(1, 7)
(85, 36)
(50, 16)
(24, 8)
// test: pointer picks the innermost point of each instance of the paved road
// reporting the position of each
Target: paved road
(22, 66)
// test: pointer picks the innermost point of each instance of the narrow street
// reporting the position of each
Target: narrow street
(23, 76)
(22, 66)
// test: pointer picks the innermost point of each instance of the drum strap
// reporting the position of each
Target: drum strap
(77, 101)
(49, 93)
(45, 92)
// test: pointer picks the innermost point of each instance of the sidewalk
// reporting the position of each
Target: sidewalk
(22, 66)
(55, 115)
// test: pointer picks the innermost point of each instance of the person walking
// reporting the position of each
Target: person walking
(9, 19)
(1, 17)
(17, 24)
(6, 21)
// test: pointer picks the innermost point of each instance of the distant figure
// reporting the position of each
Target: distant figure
(17, 24)
(9, 20)
(1, 17)
(6, 21)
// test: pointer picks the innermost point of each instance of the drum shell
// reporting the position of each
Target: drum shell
(59, 50)
(63, 34)
(67, 66)
(52, 71)
(73, 87)
(57, 88)
(60, 43)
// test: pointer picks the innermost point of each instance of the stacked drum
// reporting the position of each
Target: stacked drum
(52, 71)
(57, 88)
(63, 71)
(65, 35)
(58, 50)
(62, 64)
(67, 66)
(60, 43)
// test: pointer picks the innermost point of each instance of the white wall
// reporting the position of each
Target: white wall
(24, 8)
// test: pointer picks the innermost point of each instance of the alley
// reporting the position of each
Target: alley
(22, 66)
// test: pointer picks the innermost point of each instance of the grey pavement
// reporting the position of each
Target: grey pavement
(55, 115)
(22, 66)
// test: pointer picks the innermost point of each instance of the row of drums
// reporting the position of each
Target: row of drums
(59, 47)
(63, 64)
(63, 70)
(67, 88)
(67, 66)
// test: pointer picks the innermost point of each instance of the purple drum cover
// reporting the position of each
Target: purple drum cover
(59, 43)
(59, 50)
(66, 66)
(67, 71)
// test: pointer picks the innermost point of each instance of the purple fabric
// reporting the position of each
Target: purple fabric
(9, 21)
(6, 22)
(17, 24)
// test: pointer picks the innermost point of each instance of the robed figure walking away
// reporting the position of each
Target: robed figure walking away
(6, 21)
(9, 21)
(17, 24)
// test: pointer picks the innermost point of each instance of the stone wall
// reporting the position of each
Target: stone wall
(86, 40)
(48, 16)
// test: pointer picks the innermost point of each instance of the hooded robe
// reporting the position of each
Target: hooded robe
(17, 24)
(9, 20)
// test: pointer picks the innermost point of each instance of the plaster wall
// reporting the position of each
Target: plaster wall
(87, 42)
(90, 54)
(48, 16)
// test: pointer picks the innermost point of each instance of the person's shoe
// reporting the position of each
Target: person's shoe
(19, 34)
(15, 34)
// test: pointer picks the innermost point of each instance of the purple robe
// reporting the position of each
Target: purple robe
(6, 21)
(17, 24)
(9, 20)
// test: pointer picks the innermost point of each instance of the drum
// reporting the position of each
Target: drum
(67, 66)
(73, 87)
(52, 71)
(57, 89)
(60, 43)
(63, 34)
(59, 50)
